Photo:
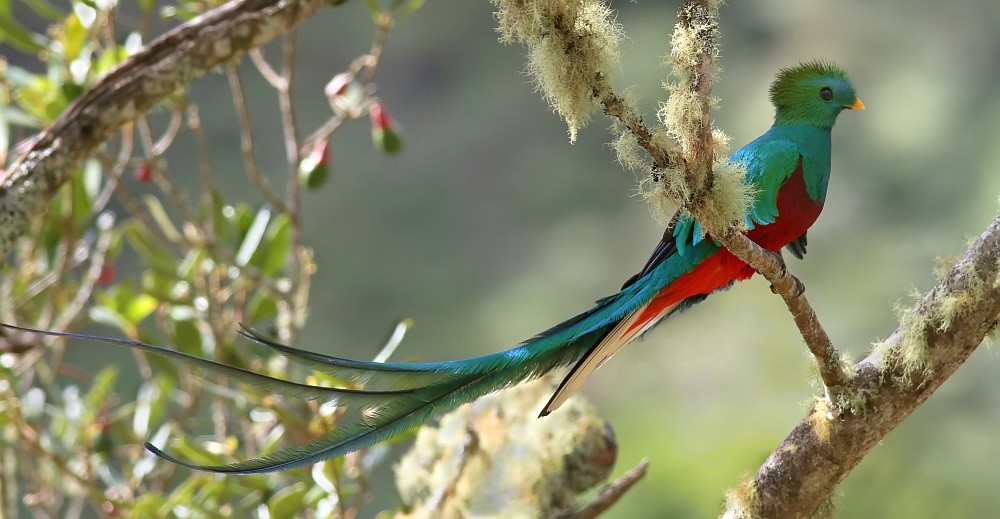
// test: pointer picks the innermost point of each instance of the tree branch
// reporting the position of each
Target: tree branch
(940, 333)
(132, 88)
(792, 291)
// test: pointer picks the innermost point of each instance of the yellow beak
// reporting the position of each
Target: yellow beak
(858, 105)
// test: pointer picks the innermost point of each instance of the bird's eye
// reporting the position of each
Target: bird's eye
(825, 93)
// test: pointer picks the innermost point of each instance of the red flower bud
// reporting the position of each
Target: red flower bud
(384, 133)
(314, 166)
(144, 173)
(107, 275)
(379, 116)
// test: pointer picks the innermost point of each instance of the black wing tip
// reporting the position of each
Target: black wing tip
(798, 246)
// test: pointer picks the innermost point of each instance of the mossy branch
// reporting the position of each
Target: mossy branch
(947, 325)
(133, 88)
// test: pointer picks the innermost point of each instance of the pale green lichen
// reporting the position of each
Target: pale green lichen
(919, 319)
(821, 419)
(725, 203)
(681, 115)
(743, 502)
(690, 42)
(573, 47)
(683, 119)
(911, 351)
(628, 151)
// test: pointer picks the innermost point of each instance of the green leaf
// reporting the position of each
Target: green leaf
(288, 502)
(183, 494)
(166, 287)
(403, 8)
(373, 7)
(82, 203)
(103, 314)
(18, 36)
(150, 248)
(261, 307)
(39, 97)
(108, 59)
(149, 504)
(223, 228)
(185, 449)
(93, 173)
(73, 36)
(278, 245)
(253, 237)
(18, 117)
(44, 9)
(160, 217)
(187, 337)
(104, 382)
(140, 307)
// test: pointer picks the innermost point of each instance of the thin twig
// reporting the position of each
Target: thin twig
(266, 71)
(173, 127)
(205, 170)
(247, 142)
(615, 107)
(613, 492)
(290, 133)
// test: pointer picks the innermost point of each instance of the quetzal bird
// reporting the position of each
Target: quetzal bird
(789, 169)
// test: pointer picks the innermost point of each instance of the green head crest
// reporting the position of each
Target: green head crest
(812, 93)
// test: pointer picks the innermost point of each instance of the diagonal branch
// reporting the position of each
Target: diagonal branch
(132, 88)
(938, 335)
(792, 291)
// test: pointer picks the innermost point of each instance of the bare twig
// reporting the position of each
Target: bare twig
(247, 142)
(266, 71)
(293, 195)
(613, 492)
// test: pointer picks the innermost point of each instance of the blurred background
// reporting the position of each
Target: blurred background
(490, 226)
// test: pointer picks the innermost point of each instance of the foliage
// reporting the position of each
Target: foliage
(180, 269)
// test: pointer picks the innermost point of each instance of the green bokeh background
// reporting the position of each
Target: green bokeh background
(491, 226)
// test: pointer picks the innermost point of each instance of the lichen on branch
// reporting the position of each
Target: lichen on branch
(703, 179)
(573, 46)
